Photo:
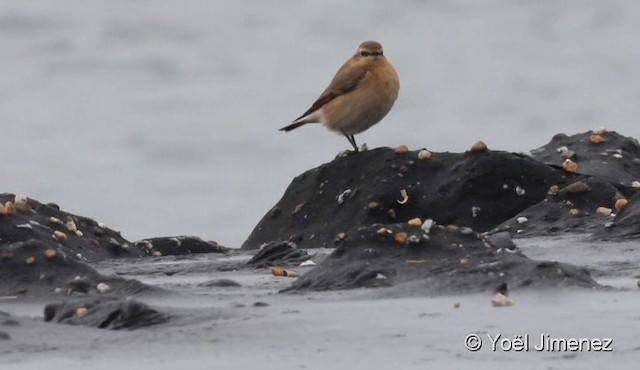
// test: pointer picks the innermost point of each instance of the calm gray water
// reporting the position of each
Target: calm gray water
(161, 117)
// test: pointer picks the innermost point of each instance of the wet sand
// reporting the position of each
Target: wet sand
(397, 327)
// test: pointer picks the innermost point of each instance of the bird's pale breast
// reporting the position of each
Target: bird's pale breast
(368, 103)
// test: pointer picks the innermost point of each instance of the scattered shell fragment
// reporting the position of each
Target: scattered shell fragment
(344, 196)
(9, 208)
(424, 154)
(479, 146)
(416, 262)
(574, 212)
(59, 236)
(604, 211)
(79, 233)
(427, 224)
(521, 220)
(382, 231)
(373, 204)
(400, 237)
(307, 263)
(635, 184)
(380, 276)
(103, 287)
(413, 239)
(279, 271)
(404, 197)
(71, 225)
(577, 187)
(50, 253)
(464, 261)
(81, 311)
(30, 260)
(415, 222)
(475, 211)
(620, 204)
(466, 231)
(297, 208)
(596, 139)
(55, 221)
(617, 155)
(553, 190)
(562, 149)
(452, 227)
(342, 236)
(501, 300)
(401, 149)
(599, 130)
(22, 203)
(520, 191)
(570, 166)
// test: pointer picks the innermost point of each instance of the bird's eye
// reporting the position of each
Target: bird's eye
(365, 53)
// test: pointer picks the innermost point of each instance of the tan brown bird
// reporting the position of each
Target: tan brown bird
(361, 93)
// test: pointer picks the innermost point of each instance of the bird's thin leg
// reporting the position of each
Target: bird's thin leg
(352, 140)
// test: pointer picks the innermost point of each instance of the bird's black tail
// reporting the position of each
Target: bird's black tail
(292, 126)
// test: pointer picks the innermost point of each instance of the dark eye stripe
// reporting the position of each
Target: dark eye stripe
(367, 53)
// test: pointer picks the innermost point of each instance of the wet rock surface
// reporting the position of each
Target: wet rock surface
(493, 194)
(78, 236)
(478, 190)
(104, 313)
(446, 260)
(278, 254)
(34, 269)
(178, 245)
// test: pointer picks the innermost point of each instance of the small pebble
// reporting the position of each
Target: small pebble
(620, 204)
(501, 300)
(400, 237)
(415, 222)
(30, 260)
(570, 166)
(424, 154)
(50, 253)
(604, 211)
(401, 149)
(59, 236)
(427, 224)
(577, 187)
(373, 204)
(81, 311)
(479, 146)
(596, 139)
(599, 130)
(521, 220)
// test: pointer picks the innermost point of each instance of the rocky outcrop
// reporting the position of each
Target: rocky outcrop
(23, 219)
(446, 219)
(441, 260)
(34, 269)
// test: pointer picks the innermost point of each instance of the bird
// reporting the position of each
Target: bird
(360, 94)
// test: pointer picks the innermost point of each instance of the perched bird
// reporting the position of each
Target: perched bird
(361, 93)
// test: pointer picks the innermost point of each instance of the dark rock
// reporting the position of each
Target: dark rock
(221, 283)
(278, 254)
(626, 224)
(4, 335)
(36, 269)
(476, 190)
(260, 304)
(178, 245)
(615, 160)
(501, 240)
(445, 261)
(567, 211)
(92, 242)
(104, 313)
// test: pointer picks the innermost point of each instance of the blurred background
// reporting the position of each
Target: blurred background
(161, 118)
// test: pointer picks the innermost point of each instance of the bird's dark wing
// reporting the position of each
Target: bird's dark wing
(345, 80)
